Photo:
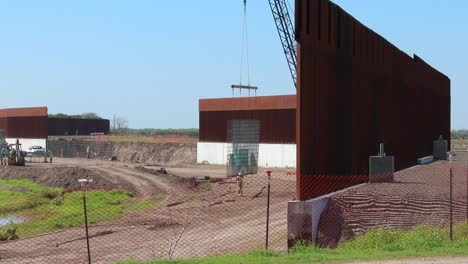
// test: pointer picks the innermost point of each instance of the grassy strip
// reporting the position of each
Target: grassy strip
(137, 138)
(153, 201)
(151, 139)
(102, 205)
(48, 209)
(16, 195)
(377, 244)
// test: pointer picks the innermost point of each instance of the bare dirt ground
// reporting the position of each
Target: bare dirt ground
(189, 222)
(419, 195)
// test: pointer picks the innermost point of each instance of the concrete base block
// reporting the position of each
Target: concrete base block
(303, 220)
(440, 149)
(425, 160)
(381, 169)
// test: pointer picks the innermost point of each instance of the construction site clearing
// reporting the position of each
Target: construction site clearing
(218, 219)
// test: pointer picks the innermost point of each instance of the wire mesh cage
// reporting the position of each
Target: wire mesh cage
(243, 147)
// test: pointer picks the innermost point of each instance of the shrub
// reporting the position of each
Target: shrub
(205, 187)
(50, 193)
(8, 233)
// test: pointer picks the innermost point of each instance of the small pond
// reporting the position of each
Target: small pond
(10, 219)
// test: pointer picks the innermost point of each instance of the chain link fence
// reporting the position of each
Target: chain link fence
(163, 153)
(165, 216)
(80, 148)
(179, 218)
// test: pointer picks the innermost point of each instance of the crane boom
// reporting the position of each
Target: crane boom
(285, 28)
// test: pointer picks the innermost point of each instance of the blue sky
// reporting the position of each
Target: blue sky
(150, 61)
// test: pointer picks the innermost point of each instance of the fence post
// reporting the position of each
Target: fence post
(451, 202)
(268, 210)
(83, 183)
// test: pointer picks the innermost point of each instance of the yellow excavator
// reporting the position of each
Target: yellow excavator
(16, 156)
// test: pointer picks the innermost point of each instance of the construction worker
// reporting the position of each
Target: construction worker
(240, 184)
(88, 152)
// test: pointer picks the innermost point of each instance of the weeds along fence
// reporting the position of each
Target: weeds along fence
(179, 218)
(422, 195)
(150, 153)
(79, 148)
(171, 217)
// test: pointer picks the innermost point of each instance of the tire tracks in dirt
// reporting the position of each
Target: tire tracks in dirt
(144, 184)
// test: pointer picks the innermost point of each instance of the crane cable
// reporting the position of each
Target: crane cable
(245, 47)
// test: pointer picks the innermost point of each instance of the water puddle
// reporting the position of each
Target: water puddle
(10, 219)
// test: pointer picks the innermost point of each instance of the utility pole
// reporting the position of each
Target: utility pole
(114, 125)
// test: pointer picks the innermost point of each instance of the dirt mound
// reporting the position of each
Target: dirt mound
(419, 195)
(66, 177)
(157, 153)
(144, 153)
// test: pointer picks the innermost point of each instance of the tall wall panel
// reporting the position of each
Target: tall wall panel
(356, 90)
(29, 123)
(276, 126)
(277, 116)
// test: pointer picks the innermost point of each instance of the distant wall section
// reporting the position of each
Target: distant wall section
(277, 116)
(26, 123)
(80, 127)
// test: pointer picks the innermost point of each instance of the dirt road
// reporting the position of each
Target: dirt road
(190, 222)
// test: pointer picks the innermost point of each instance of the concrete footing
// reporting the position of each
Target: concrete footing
(425, 160)
(381, 169)
(303, 220)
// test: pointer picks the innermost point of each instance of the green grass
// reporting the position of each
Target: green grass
(102, 205)
(153, 201)
(48, 209)
(377, 244)
(16, 195)
(205, 187)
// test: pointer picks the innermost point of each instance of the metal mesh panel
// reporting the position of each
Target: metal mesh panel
(3, 144)
(2, 138)
(242, 154)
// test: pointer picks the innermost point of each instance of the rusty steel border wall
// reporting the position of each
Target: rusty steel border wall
(24, 122)
(79, 127)
(277, 116)
(356, 90)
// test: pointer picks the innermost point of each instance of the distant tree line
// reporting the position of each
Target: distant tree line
(460, 134)
(80, 116)
(193, 132)
(119, 126)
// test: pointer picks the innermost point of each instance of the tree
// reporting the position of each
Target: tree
(119, 125)
(90, 116)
